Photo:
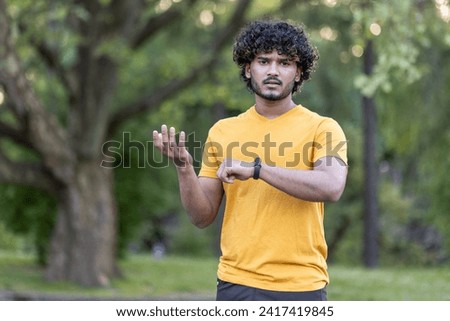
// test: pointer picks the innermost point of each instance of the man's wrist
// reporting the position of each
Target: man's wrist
(184, 167)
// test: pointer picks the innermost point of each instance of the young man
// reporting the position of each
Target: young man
(277, 163)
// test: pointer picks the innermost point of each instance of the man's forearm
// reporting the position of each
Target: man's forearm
(308, 185)
(196, 202)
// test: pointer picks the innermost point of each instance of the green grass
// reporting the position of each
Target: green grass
(389, 284)
(143, 278)
(182, 278)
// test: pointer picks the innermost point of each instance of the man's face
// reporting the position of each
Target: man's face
(272, 75)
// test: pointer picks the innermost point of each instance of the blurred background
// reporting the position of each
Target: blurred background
(84, 83)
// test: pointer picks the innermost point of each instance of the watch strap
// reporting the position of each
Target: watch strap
(256, 168)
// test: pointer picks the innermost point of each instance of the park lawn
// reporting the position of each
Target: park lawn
(389, 284)
(144, 278)
(186, 278)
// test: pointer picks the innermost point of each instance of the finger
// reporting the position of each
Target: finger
(156, 139)
(172, 139)
(155, 135)
(227, 179)
(224, 175)
(230, 179)
(160, 141)
(180, 151)
(182, 139)
(165, 138)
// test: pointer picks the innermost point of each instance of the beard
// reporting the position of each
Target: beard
(271, 95)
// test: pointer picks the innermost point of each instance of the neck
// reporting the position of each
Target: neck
(273, 109)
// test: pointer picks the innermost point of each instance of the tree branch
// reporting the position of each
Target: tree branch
(287, 4)
(26, 173)
(152, 101)
(14, 134)
(44, 133)
(233, 25)
(156, 23)
(123, 17)
(50, 57)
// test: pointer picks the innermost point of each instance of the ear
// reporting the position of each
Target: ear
(298, 74)
(248, 74)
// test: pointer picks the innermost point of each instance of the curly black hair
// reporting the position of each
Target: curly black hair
(264, 36)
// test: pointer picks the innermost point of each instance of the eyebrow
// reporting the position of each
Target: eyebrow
(282, 59)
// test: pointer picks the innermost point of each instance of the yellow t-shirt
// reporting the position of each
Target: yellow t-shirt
(271, 240)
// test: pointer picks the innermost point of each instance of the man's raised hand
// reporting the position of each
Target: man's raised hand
(167, 144)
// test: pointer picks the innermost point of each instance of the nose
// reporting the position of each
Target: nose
(273, 69)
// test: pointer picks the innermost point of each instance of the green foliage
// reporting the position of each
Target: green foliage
(145, 185)
(398, 25)
(343, 220)
(8, 240)
(30, 213)
(189, 240)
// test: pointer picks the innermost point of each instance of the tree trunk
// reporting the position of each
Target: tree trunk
(83, 246)
(370, 252)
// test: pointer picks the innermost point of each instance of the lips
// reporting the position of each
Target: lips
(271, 81)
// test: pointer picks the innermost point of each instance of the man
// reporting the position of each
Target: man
(277, 163)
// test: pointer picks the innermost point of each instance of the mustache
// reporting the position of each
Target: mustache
(272, 80)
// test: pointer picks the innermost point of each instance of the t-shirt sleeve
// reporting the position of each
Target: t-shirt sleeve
(210, 162)
(330, 140)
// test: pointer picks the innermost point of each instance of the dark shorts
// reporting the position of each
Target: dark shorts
(234, 292)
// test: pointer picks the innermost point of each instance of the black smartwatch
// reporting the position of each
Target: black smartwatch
(256, 168)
